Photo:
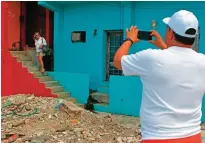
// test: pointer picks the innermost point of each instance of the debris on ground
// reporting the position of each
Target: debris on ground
(31, 119)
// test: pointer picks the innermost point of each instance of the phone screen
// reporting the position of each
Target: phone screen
(144, 35)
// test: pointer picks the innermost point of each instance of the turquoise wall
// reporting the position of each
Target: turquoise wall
(76, 84)
(125, 92)
(124, 96)
(89, 57)
(148, 11)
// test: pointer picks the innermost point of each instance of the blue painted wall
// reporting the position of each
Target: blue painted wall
(76, 84)
(148, 11)
(124, 96)
(89, 57)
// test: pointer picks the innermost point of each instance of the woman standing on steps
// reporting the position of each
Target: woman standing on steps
(39, 43)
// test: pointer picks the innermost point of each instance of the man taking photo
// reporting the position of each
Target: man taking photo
(173, 79)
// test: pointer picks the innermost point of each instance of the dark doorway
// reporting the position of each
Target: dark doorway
(35, 21)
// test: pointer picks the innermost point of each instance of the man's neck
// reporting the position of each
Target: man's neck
(181, 45)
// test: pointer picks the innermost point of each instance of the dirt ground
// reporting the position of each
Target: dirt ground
(53, 125)
(36, 120)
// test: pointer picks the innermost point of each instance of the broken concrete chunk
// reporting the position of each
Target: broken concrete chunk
(19, 123)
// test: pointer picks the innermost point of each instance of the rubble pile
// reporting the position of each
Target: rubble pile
(36, 119)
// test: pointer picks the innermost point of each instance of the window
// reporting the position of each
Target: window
(114, 41)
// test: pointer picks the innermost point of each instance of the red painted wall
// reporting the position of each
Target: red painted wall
(13, 22)
(29, 84)
(6, 66)
(15, 79)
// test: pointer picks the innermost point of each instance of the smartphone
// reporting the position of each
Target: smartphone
(144, 35)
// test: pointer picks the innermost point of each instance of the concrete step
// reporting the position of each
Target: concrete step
(23, 58)
(39, 74)
(27, 63)
(18, 55)
(100, 97)
(56, 89)
(102, 104)
(63, 95)
(71, 99)
(102, 107)
(103, 89)
(51, 83)
(80, 105)
(45, 78)
(13, 53)
(32, 68)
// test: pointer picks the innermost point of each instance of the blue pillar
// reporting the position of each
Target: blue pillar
(127, 20)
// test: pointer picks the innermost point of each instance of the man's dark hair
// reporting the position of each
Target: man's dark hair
(186, 40)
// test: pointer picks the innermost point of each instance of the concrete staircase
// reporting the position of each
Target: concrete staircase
(102, 94)
(49, 82)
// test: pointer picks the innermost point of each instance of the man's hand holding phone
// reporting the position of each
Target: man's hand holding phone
(135, 35)
(132, 34)
(158, 40)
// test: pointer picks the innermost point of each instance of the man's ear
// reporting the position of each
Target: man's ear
(172, 34)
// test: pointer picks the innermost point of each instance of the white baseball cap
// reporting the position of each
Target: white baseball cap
(181, 21)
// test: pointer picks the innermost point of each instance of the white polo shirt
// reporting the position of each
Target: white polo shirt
(173, 86)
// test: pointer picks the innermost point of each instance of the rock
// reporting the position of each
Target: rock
(9, 126)
(19, 140)
(19, 123)
(37, 141)
(119, 140)
(65, 133)
(62, 129)
(40, 133)
(50, 116)
(70, 107)
(55, 137)
(78, 129)
(55, 115)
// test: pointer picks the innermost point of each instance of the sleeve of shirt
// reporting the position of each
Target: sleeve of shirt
(37, 44)
(136, 64)
(44, 42)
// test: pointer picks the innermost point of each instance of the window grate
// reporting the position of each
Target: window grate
(114, 40)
